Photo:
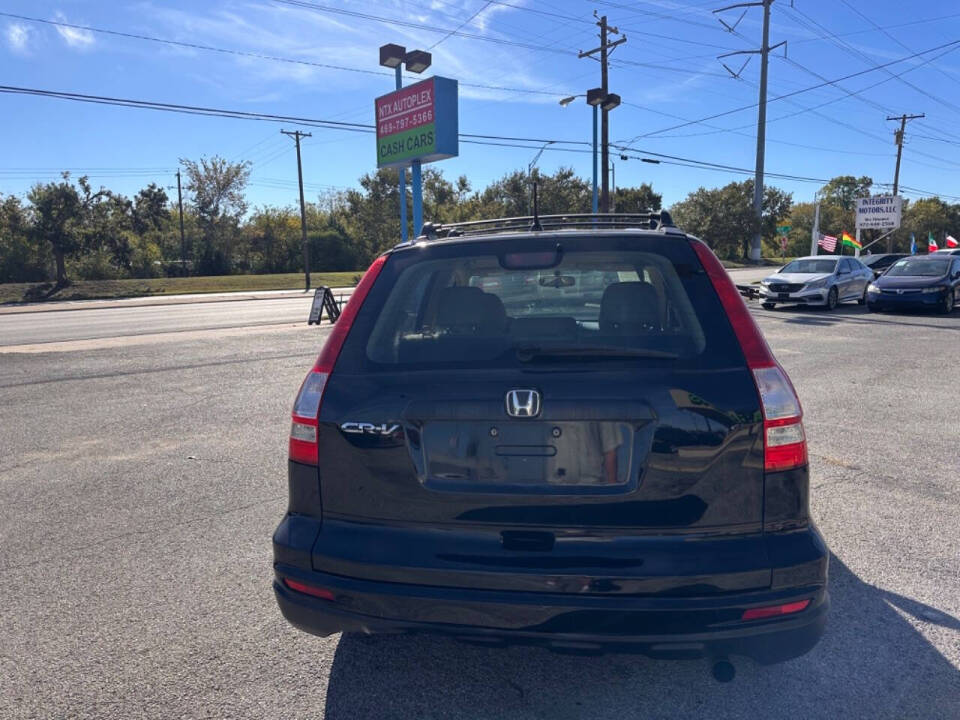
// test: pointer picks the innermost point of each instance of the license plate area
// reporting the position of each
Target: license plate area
(539, 456)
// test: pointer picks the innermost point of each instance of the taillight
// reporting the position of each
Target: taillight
(784, 442)
(775, 610)
(300, 587)
(304, 426)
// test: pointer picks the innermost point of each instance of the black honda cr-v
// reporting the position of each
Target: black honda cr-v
(573, 435)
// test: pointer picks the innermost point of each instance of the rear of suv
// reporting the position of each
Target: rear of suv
(574, 436)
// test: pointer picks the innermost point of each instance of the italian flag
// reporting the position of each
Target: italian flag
(849, 241)
(931, 243)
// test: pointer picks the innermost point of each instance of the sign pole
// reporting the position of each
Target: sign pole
(815, 233)
(403, 179)
(856, 250)
(417, 197)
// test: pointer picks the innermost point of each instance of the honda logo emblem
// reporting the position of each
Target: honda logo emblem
(523, 403)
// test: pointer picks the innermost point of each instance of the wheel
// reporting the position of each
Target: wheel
(863, 298)
(833, 297)
(948, 302)
(768, 306)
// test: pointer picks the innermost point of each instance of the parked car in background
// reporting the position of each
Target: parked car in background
(881, 261)
(923, 281)
(948, 251)
(817, 280)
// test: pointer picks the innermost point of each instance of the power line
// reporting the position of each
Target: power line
(461, 26)
(255, 55)
(794, 93)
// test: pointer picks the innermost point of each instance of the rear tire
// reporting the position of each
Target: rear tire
(768, 306)
(833, 299)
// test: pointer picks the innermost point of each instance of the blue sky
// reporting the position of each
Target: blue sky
(667, 74)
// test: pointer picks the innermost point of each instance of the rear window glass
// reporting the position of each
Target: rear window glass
(478, 305)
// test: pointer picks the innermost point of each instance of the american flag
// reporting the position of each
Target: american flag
(828, 243)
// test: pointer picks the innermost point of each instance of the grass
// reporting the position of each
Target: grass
(109, 289)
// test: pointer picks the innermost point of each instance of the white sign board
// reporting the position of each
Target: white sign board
(880, 212)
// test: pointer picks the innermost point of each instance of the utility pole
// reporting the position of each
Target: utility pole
(756, 246)
(898, 139)
(183, 237)
(296, 135)
(604, 50)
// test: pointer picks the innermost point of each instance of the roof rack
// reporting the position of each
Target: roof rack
(529, 223)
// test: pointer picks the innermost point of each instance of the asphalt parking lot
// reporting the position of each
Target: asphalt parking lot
(140, 483)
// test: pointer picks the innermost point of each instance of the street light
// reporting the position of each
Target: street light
(595, 98)
(416, 61)
(611, 101)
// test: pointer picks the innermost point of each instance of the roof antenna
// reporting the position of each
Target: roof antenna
(535, 225)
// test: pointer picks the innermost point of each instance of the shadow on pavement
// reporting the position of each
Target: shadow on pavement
(872, 663)
(804, 315)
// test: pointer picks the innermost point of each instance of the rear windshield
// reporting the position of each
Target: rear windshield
(501, 304)
(810, 266)
(918, 267)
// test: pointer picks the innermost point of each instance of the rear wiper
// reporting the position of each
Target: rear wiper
(526, 353)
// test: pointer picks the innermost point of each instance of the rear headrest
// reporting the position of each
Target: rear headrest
(629, 307)
(470, 311)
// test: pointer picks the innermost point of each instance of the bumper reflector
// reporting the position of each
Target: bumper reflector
(775, 610)
(316, 592)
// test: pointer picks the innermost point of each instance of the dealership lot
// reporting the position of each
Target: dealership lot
(140, 481)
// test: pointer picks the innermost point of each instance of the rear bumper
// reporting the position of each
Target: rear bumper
(659, 626)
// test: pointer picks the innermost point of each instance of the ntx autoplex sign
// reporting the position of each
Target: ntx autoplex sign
(418, 122)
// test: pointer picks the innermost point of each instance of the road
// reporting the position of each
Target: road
(99, 320)
(140, 483)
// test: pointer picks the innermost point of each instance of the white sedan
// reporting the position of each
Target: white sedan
(820, 280)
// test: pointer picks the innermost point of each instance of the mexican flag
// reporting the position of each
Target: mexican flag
(850, 241)
(931, 243)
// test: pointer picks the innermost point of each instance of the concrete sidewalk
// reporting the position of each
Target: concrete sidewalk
(147, 300)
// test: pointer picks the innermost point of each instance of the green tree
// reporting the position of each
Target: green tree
(724, 217)
(636, 199)
(60, 212)
(151, 210)
(217, 187)
(512, 195)
(274, 237)
(21, 260)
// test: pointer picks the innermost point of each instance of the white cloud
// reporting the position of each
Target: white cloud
(74, 37)
(18, 37)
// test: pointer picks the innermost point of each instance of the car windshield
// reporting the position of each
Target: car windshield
(918, 267)
(810, 266)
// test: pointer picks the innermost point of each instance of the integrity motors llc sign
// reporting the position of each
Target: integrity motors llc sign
(880, 212)
(418, 122)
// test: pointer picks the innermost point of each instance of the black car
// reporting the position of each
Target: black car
(918, 282)
(880, 262)
(480, 452)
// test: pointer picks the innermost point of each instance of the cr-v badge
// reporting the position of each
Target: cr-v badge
(523, 403)
(361, 428)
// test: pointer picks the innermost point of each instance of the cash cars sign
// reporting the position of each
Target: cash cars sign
(880, 212)
(418, 122)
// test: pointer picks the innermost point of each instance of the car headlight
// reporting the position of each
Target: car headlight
(871, 288)
(936, 289)
(816, 284)
(765, 283)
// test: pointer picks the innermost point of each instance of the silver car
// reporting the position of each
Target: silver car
(817, 280)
